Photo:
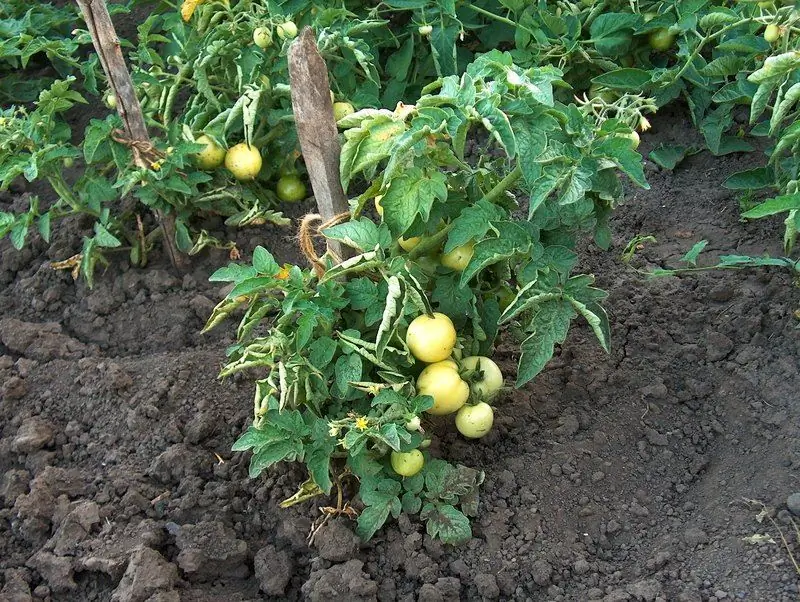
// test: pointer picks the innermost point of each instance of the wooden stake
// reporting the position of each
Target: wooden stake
(106, 43)
(316, 128)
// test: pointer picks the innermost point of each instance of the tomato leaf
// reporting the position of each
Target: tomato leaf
(472, 224)
(779, 204)
(411, 194)
(363, 235)
(548, 325)
(511, 240)
(620, 150)
(446, 523)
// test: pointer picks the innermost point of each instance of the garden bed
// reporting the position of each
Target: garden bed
(610, 477)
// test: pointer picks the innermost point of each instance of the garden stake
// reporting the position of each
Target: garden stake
(316, 129)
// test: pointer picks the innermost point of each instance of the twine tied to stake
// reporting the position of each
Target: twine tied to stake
(144, 153)
(306, 234)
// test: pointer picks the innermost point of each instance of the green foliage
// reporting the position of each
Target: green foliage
(334, 371)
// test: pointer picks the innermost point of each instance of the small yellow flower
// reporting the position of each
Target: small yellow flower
(283, 274)
(333, 431)
(362, 423)
(644, 124)
(155, 165)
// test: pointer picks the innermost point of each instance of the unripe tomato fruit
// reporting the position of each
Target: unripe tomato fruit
(431, 338)
(413, 424)
(661, 39)
(407, 464)
(409, 243)
(772, 33)
(342, 110)
(492, 379)
(425, 30)
(442, 382)
(110, 100)
(68, 162)
(633, 137)
(262, 37)
(211, 156)
(458, 258)
(287, 30)
(291, 189)
(243, 161)
(475, 421)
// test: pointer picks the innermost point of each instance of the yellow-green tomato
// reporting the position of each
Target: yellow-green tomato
(407, 464)
(661, 39)
(633, 137)
(458, 258)
(287, 30)
(431, 338)
(262, 37)
(211, 156)
(290, 188)
(425, 30)
(110, 100)
(443, 382)
(772, 33)
(243, 161)
(342, 110)
(409, 243)
(475, 421)
(413, 423)
(491, 379)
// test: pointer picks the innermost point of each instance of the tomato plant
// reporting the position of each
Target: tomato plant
(381, 332)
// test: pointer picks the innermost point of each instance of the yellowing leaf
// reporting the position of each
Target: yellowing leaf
(188, 7)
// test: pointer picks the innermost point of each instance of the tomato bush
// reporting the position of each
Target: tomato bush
(383, 330)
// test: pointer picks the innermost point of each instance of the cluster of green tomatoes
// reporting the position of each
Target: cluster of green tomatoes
(458, 385)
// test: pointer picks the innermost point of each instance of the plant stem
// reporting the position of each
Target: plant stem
(434, 241)
(499, 18)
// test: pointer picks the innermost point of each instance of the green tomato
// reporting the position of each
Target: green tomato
(633, 136)
(407, 464)
(413, 424)
(262, 37)
(443, 382)
(287, 30)
(110, 100)
(243, 161)
(458, 258)
(491, 378)
(772, 33)
(475, 421)
(342, 110)
(431, 338)
(661, 39)
(211, 156)
(291, 189)
(68, 162)
(425, 30)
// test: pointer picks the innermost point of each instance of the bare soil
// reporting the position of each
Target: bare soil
(611, 477)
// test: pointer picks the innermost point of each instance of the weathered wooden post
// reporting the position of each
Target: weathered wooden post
(106, 43)
(316, 128)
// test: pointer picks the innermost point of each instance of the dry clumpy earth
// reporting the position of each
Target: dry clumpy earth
(611, 477)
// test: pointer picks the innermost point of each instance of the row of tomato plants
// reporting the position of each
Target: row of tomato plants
(341, 384)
